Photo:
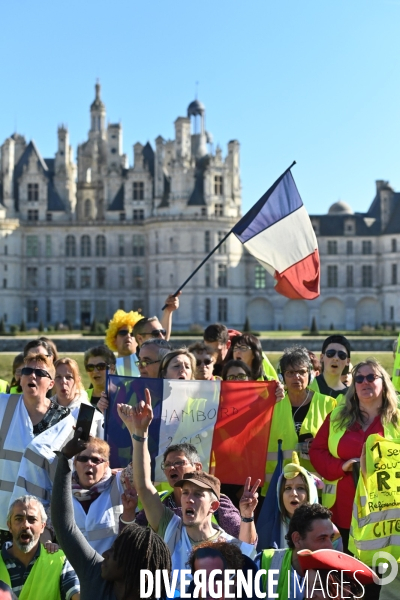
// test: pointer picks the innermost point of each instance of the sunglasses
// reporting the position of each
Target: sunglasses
(95, 460)
(156, 333)
(37, 372)
(370, 378)
(124, 332)
(102, 366)
(146, 363)
(331, 353)
(241, 347)
(206, 362)
(238, 377)
(176, 464)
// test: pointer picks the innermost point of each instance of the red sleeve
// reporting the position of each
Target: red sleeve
(324, 463)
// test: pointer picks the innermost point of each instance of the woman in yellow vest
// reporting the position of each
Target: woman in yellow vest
(299, 415)
(370, 407)
(15, 387)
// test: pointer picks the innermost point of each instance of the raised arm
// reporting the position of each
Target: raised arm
(171, 304)
(137, 420)
(247, 506)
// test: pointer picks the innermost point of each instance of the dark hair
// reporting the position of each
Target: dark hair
(216, 333)
(52, 345)
(102, 351)
(41, 344)
(139, 548)
(187, 449)
(284, 513)
(235, 363)
(302, 520)
(139, 326)
(230, 554)
(255, 346)
(294, 357)
(200, 348)
(17, 362)
(337, 339)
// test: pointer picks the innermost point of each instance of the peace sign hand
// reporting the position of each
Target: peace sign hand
(249, 499)
(137, 418)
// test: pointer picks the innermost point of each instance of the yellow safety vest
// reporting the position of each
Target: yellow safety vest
(3, 386)
(43, 580)
(335, 434)
(280, 560)
(282, 428)
(268, 368)
(375, 524)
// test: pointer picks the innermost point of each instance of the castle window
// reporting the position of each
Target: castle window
(219, 210)
(49, 216)
(48, 246)
(332, 247)
(100, 310)
(86, 246)
(87, 209)
(85, 277)
(394, 274)
(32, 310)
(138, 245)
(121, 245)
(218, 185)
(138, 214)
(70, 278)
(260, 278)
(122, 216)
(367, 247)
(349, 247)
(222, 248)
(70, 246)
(207, 241)
(366, 273)
(203, 212)
(207, 310)
(48, 277)
(222, 275)
(394, 245)
(138, 190)
(101, 277)
(349, 276)
(121, 277)
(207, 276)
(138, 277)
(332, 276)
(33, 215)
(33, 191)
(100, 245)
(32, 245)
(222, 310)
(70, 312)
(48, 310)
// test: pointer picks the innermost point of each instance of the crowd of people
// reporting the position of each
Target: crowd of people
(73, 527)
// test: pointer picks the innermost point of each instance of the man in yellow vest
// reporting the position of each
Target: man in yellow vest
(310, 528)
(25, 565)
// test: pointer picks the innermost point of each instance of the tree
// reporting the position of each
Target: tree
(22, 327)
(41, 326)
(313, 328)
(246, 326)
(2, 327)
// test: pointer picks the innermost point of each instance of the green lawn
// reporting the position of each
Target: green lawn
(385, 358)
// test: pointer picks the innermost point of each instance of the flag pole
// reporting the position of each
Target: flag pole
(201, 264)
(218, 245)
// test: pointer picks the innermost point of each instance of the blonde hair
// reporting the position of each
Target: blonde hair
(351, 411)
(73, 365)
(41, 359)
(100, 446)
(168, 357)
(120, 319)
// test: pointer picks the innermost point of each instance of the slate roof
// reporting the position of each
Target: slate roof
(118, 202)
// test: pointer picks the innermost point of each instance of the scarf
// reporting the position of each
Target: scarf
(83, 494)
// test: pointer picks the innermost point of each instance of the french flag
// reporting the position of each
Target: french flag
(277, 231)
(227, 421)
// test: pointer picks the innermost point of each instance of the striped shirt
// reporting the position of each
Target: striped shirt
(69, 583)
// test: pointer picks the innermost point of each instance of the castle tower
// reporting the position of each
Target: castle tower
(97, 115)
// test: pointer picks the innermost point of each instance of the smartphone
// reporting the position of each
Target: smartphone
(85, 418)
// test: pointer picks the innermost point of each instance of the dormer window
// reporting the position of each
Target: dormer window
(218, 185)
(138, 190)
(33, 191)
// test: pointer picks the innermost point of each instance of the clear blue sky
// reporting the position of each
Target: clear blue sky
(317, 81)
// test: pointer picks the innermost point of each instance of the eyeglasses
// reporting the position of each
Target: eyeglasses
(241, 347)
(300, 373)
(37, 372)
(156, 333)
(101, 366)
(176, 464)
(331, 353)
(146, 363)
(95, 460)
(124, 332)
(206, 362)
(238, 377)
(370, 378)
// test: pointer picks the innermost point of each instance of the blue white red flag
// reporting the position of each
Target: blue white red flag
(228, 422)
(277, 231)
